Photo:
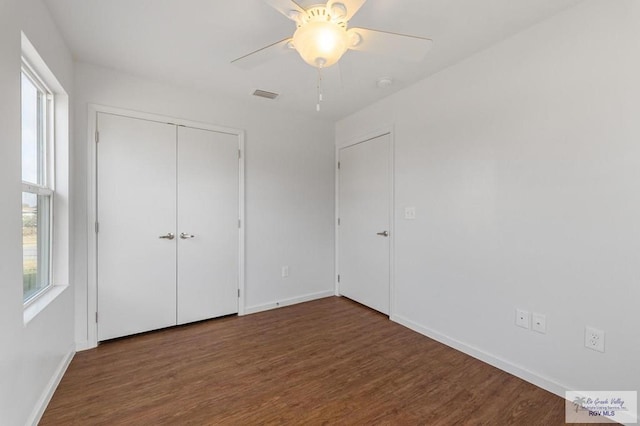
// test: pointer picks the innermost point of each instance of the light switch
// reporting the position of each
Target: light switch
(409, 213)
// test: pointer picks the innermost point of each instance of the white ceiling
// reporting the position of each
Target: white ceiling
(192, 42)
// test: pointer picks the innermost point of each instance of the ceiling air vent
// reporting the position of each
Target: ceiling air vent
(265, 94)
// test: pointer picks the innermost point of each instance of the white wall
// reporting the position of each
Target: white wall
(524, 165)
(31, 355)
(289, 184)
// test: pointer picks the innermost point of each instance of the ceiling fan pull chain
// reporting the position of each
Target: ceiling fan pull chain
(319, 89)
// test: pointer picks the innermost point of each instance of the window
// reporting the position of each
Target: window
(46, 198)
(37, 184)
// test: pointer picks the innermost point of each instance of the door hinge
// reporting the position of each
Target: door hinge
(97, 227)
(338, 221)
(338, 165)
(96, 317)
(238, 292)
(338, 277)
(97, 136)
(239, 154)
(239, 223)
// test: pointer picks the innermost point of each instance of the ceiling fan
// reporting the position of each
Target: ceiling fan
(322, 36)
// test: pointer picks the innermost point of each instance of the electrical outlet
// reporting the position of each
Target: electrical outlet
(539, 323)
(594, 339)
(522, 318)
(285, 271)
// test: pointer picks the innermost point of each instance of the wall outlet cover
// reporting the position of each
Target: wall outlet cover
(539, 323)
(594, 339)
(522, 318)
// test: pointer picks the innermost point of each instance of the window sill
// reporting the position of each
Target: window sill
(41, 302)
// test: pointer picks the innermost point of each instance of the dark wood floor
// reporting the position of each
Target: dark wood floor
(330, 361)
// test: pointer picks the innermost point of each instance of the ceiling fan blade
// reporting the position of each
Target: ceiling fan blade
(288, 8)
(263, 55)
(351, 6)
(406, 47)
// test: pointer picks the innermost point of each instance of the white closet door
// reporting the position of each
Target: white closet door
(364, 243)
(207, 224)
(136, 174)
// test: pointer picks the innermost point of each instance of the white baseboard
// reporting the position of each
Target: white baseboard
(516, 370)
(287, 302)
(50, 389)
(84, 345)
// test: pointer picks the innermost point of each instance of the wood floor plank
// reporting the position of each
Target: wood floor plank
(329, 361)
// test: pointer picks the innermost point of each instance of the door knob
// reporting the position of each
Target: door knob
(186, 236)
(383, 234)
(169, 236)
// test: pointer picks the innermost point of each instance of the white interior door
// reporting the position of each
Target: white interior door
(136, 205)
(208, 182)
(364, 203)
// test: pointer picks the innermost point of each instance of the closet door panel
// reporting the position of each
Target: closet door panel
(207, 171)
(136, 205)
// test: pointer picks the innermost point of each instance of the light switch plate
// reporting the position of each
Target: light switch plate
(409, 213)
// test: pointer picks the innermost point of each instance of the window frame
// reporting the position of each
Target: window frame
(46, 174)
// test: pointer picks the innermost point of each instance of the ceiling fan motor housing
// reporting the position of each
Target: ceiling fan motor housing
(321, 38)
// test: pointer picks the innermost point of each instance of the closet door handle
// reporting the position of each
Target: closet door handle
(186, 236)
(169, 236)
(383, 233)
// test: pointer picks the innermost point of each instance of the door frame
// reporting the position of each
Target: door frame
(387, 130)
(92, 191)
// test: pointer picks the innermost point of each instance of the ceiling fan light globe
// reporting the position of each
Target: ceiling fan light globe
(321, 42)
